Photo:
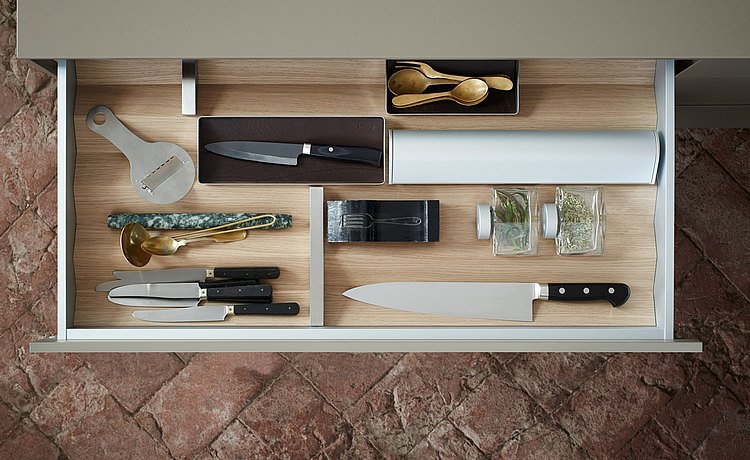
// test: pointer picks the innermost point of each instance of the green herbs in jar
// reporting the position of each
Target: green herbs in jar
(511, 220)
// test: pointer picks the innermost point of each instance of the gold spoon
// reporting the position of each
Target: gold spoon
(468, 92)
(413, 81)
(134, 236)
(165, 245)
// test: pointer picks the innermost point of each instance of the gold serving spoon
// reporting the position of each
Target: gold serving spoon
(138, 245)
(165, 245)
(468, 92)
(133, 237)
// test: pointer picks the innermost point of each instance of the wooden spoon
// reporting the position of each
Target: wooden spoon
(468, 92)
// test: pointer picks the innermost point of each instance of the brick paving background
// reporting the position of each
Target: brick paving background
(308, 405)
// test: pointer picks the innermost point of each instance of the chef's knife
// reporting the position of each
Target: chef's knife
(193, 292)
(506, 301)
(187, 274)
(287, 154)
(215, 312)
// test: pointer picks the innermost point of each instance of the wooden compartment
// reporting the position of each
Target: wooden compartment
(555, 95)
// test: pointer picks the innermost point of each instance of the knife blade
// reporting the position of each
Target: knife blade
(194, 291)
(187, 274)
(215, 312)
(218, 283)
(287, 154)
(505, 301)
(154, 302)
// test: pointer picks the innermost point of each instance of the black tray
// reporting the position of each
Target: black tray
(341, 131)
(497, 102)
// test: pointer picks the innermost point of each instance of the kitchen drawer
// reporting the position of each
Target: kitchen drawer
(555, 95)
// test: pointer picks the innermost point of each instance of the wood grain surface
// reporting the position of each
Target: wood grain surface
(555, 94)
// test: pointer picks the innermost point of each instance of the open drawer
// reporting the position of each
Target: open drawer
(555, 95)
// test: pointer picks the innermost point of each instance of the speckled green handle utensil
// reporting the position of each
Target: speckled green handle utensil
(191, 221)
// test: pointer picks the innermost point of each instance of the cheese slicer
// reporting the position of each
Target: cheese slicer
(161, 172)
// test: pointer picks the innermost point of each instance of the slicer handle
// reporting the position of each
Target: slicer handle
(359, 154)
(247, 273)
(114, 131)
(291, 308)
(247, 293)
(614, 293)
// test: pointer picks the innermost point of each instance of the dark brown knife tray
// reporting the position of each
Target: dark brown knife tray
(497, 102)
(341, 131)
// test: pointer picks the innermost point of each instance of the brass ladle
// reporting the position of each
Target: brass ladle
(468, 92)
(138, 246)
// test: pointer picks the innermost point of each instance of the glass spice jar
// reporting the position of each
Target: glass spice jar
(576, 220)
(511, 221)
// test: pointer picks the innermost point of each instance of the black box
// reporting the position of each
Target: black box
(406, 221)
(498, 102)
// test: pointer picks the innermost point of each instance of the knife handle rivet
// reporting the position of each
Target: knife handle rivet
(561, 290)
(330, 149)
(586, 290)
(611, 290)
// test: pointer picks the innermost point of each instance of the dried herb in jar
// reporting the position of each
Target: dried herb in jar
(576, 233)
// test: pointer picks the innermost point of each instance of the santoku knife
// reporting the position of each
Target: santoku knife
(186, 294)
(506, 301)
(287, 154)
(215, 312)
(187, 274)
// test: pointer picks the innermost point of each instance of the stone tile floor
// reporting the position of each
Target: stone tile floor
(467, 405)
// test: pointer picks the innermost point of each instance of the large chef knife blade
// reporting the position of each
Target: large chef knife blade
(215, 312)
(187, 274)
(287, 154)
(506, 301)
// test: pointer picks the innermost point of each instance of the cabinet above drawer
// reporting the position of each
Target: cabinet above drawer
(49, 29)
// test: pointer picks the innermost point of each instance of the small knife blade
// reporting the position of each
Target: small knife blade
(287, 154)
(154, 302)
(215, 312)
(504, 301)
(194, 291)
(186, 275)
(218, 283)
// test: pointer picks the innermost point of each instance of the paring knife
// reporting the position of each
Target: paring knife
(506, 301)
(186, 294)
(187, 274)
(287, 154)
(215, 312)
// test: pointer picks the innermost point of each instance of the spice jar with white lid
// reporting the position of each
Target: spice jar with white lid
(511, 221)
(575, 220)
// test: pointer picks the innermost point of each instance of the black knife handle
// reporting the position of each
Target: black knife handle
(226, 283)
(360, 154)
(267, 309)
(248, 293)
(614, 293)
(247, 273)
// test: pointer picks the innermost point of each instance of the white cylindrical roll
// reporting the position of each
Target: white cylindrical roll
(523, 157)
